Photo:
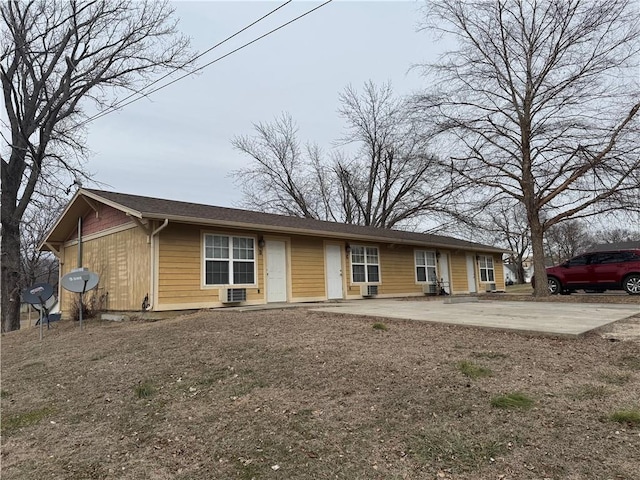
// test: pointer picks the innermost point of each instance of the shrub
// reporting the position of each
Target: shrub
(380, 326)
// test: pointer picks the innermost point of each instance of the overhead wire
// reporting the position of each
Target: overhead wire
(144, 93)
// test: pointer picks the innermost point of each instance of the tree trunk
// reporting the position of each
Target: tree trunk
(10, 272)
(519, 271)
(539, 270)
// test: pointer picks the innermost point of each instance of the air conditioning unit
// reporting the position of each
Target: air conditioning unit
(491, 287)
(429, 289)
(233, 295)
(368, 290)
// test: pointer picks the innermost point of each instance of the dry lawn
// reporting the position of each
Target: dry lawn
(293, 394)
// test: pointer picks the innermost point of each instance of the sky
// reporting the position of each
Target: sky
(177, 143)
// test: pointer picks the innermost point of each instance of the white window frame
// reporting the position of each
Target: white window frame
(230, 259)
(486, 269)
(366, 264)
(426, 255)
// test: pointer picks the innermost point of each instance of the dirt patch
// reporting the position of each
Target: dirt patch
(308, 395)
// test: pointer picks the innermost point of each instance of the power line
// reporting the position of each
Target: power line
(122, 105)
(113, 107)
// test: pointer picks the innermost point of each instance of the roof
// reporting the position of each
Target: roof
(608, 247)
(194, 213)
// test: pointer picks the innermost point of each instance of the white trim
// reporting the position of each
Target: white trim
(203, 261)
(101, 233)
(343, 277)
(202, 305)
(307, 299)
(367, 281)
(415, 267)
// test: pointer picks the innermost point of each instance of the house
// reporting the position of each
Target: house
(510, 274)
(170, 255)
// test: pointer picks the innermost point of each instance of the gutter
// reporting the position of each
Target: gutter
(152, 262)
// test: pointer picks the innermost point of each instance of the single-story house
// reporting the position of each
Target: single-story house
(169, 255)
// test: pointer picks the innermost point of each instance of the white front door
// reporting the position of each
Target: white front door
(276, 271)
(333, 261)
(471, 273)
(443, 270)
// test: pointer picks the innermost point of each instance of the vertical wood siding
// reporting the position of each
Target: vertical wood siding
(121, 260)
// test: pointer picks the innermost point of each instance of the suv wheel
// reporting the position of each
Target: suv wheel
(554, 285)
(631, 284)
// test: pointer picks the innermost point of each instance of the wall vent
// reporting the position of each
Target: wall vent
(429, 289)
(368, 290)
(233, 295)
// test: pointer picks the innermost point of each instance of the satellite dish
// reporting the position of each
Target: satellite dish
(48, 304)
(37, 294)
(80, 280)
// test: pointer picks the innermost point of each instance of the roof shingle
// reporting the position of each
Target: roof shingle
(157, 208)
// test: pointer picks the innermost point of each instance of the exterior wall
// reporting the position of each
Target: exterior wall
(397, 271)
(104, 218)
(499, 268)
(120, 257)
(458, 266)
(180, 269)
(180, 264)
(307, 271)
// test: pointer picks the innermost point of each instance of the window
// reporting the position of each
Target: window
(364, 264)
(229, 260)
(487, 274)
(578, 261)
(426, 266)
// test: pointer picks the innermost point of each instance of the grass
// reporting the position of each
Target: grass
(380, 326)
(629, 362)
(590, 392)
(231, 394)
(521, 289)
(627, 417)
(144, 389)
(472, 370)
(466, 450)
(490, 355)
(614, 378)
(512, 401)
(15, 422)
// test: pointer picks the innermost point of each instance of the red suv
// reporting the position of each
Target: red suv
(597, 271)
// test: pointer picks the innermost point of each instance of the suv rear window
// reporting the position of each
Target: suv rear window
(610, 257)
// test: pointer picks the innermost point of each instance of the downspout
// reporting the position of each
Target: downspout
(153, 300)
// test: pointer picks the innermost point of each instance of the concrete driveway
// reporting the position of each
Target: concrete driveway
(549, 318)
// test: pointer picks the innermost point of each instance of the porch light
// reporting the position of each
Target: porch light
(347, 248)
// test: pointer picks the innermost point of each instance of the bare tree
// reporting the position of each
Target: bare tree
(55, 57)
(616, 235)
(283, 175)
(566, 240)
(509, 226)
(37, 265)
(539, 104)
(382, 176)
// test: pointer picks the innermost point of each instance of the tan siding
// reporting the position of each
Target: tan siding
(307, 267)
(459, 278)
(499, 271)
(122, 261)
(180, 266)
(397, 267)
